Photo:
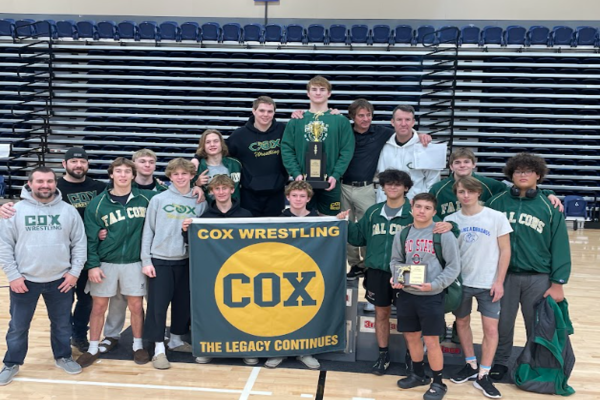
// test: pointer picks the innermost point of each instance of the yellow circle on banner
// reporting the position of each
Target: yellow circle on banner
(269, 289)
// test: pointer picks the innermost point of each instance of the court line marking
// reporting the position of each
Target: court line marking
(143, 386)
(250, 383)
(308, 396)
(362, 398)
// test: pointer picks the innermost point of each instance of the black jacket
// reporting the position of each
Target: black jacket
(234, 212)
(260, 155)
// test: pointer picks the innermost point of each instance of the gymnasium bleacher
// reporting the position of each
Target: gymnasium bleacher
(115, 87)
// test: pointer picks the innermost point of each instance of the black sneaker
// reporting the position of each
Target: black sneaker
(413, 380)
(80, 344)
(435, 392)
(355, 273)
(382, 363)
(465, 374)
(487, 387)
(498, 371)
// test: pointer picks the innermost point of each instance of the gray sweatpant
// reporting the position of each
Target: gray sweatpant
(524, 289)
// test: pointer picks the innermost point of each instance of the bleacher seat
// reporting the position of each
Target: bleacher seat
(169, 30)
(66, 29)
(470, 34)
(586, 36)
(254, 33)
(190, 31)
(575, 206)
(148, 30)
(404, 34)
(128, 30)
(425, 35)
(338, 34)
(360, 34)
(561, 36)
(211, 31)
(87, 30)
(107, 30)
(538, 35)
(25, 28)
(514, 35)
(448, 35)
(46, 29)
(2, 186)
(381, 34)
(7, 28)
(232, 32)
(295, 34)
(492, 35)
(316, 33)
(274, 33)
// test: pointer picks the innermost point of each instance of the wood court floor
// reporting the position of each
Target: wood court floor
(109, 379)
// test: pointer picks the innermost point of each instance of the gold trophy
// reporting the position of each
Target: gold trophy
(408, 275)
(315, 159)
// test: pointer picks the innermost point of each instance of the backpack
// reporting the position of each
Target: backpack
(453, 293)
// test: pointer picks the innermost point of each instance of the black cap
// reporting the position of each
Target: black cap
(75, 152)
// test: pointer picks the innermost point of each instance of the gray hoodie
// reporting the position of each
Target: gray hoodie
(42, 241)
(162, 236)
(419, 250)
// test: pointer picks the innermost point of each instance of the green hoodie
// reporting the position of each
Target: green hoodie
(337, 138)
(376, 231)
(235, 173)
(124, 224)
(539, 241)
(447, 201)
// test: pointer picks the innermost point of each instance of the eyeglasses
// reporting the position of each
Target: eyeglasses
(524, 173)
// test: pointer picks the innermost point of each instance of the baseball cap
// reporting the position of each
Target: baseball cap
(75, 152)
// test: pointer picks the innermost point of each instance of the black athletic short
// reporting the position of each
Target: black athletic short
(378, 292)
(421, 313)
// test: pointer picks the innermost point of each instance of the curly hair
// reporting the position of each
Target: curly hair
(526, 161)
(392, 175)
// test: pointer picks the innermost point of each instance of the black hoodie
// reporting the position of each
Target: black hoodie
(288, 213)
(234, 212)
(260, 155)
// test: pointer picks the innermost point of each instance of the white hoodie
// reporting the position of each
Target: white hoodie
(42, 241)
(403, 158)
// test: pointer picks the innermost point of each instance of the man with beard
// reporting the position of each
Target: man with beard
(78, 190)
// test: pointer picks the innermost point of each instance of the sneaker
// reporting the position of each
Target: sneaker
(7, 374)
(498, 371)
(435, 392)
(467, 373)
(309, 361)
(274, 362)
(487, 387)
(107, 344)
(68, 365)
(355, 273)
(160, 361)
(413, 380)
(87, 359)
(141, 357)
(80, 344)
(369, 308)
(250, 361)
(382, 363)
(203, 360)
(184, 348)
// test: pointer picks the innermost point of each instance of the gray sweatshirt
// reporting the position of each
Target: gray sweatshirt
(42, 241)
(419, 250)
(162, 236)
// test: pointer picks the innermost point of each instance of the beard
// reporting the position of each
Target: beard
(77, 173)
(43, 195)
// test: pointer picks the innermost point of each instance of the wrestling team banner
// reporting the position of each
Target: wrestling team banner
(267, 287)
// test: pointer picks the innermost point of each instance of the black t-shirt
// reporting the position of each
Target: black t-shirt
(147, 187)
(120, 199)
(368, 146)
(80, 194)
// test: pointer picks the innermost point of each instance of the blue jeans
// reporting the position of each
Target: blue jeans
(83, 308)
(22, 308)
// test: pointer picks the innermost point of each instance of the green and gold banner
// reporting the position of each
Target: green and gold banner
(268, 287)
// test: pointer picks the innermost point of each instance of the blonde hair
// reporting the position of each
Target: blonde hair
(180, 163)
(319, 81)
(220, 180)
(144, 153)
(299, 185)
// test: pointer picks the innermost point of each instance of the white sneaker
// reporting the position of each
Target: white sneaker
(274, 362)
(369, 307)
(203, 360)
(250, 361)
(309, 361)
(68, 365)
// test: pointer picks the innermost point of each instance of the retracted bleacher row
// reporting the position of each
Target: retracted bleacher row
(335, 34)
(115, 98)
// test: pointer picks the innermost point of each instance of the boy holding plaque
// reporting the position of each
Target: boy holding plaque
(484, 245)
(421, 306)
(318, 148)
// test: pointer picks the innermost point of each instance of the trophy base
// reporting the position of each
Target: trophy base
(319, 184)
